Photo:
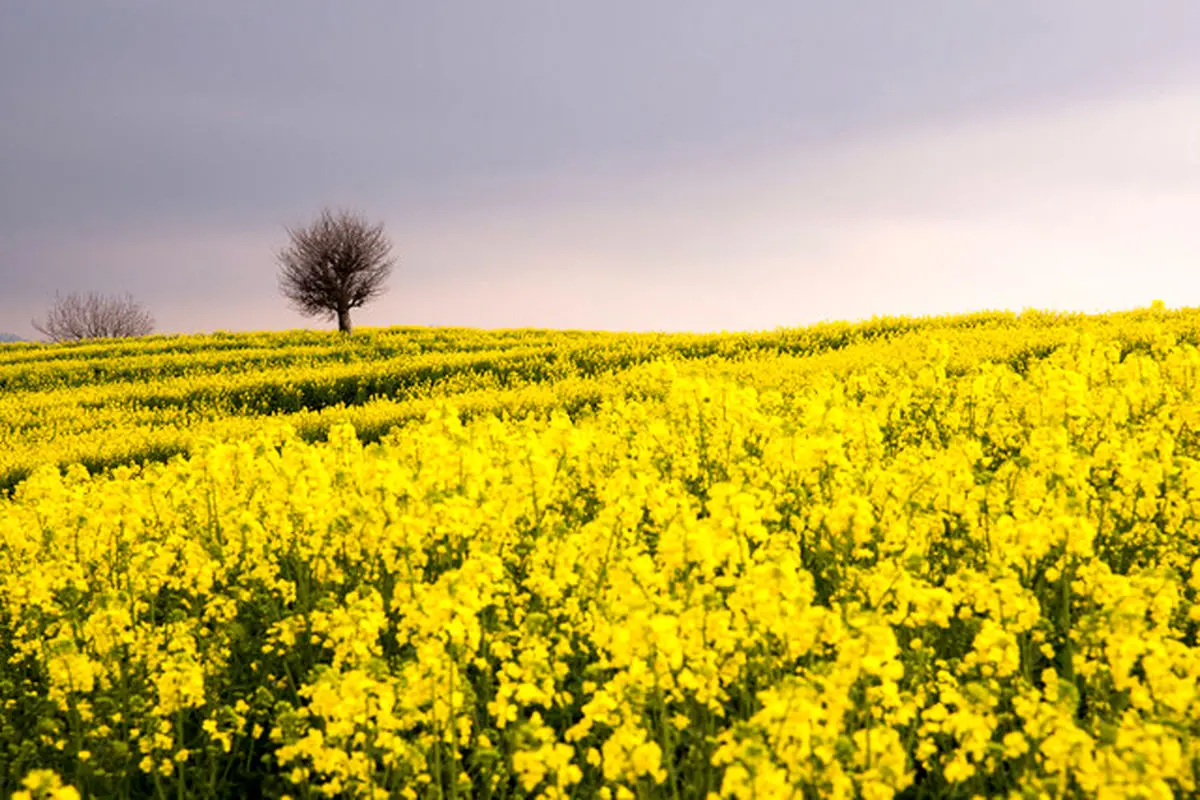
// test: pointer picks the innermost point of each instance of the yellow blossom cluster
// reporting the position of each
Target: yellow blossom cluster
(939, 558)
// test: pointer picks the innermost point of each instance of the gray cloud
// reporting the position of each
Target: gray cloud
(237, 111)
(226, 120)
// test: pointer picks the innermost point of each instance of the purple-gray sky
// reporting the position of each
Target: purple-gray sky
(648, 165)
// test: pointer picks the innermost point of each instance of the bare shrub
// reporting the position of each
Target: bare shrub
(94, 316)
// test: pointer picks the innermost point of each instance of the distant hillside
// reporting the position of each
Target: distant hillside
(10, 337)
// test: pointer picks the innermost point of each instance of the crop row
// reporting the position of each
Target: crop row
(901, 567)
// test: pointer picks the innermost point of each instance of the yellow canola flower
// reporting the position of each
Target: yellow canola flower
(44, 784)
(839, 561)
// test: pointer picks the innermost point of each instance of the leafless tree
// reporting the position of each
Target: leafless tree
(94, 316)
(337, 263)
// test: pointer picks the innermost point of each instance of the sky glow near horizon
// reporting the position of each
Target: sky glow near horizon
(652, 167)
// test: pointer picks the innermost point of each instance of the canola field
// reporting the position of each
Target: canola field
(949, 557)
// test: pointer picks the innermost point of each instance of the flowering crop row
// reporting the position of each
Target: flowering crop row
(955, 562)
(127, 401)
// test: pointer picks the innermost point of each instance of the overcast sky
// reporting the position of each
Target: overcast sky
(621, 165)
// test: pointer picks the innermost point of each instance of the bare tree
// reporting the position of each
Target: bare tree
(337, 263)
(94, 316)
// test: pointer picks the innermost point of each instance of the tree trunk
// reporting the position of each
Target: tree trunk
(343, 320)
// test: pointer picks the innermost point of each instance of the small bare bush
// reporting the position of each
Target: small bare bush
(94, 316)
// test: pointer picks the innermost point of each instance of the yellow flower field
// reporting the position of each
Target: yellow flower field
(949, 557)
